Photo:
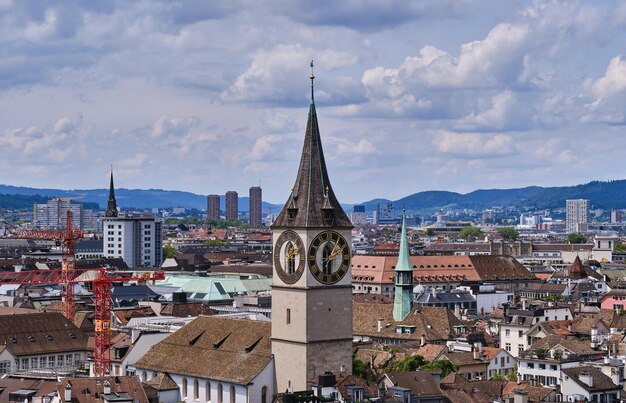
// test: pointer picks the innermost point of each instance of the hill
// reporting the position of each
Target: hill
(607, 195)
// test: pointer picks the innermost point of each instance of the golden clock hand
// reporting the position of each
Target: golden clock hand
(332, 255)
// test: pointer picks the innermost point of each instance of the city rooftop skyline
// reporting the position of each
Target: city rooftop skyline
(212, 96)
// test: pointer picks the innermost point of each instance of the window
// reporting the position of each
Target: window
(264, 394)
(185, 388)
(507, 332)
(5, 366)
(520, 333)
(288, 316)
(220, 393)
(24, 363)
(232, 393)
(531, 365)
(542, 366)
(553, 367)
(502, 361)
(520, 350)
(207, 391)
(42, 362)
(144, 376)
(51, 361)
(196, 390)
(33, 363)
(507, 347)
(69, 359)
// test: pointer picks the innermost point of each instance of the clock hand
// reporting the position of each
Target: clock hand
(332, 255)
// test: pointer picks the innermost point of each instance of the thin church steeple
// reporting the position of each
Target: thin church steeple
(111, 204)
(403, 300)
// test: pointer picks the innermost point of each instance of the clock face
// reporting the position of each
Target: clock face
(289, 257)
(329, 257)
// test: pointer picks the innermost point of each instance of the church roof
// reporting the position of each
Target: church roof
(312, 202)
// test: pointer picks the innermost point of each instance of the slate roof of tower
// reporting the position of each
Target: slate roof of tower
(312, 202)
(404, 258)
(111, 203)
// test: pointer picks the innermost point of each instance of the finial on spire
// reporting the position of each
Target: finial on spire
(312, 77)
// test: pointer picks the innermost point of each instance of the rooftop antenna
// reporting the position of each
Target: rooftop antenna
(312, 77)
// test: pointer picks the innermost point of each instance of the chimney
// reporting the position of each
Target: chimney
(586, 378)
(107, 387)
(520, 396)
(524, 305)
(476, 352)
(381, 324)
(607, 359)
(68, 392)
(569, 327)
(422, 340)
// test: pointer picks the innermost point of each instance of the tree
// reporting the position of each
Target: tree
(168, 251)
(619, 247)
(215, 242)
(576, 238)
(409, 364)
(512, 375)
(446, 367)
(429, 231)
(359, 368)
(498, 377)
(470, 232)
(509, 233)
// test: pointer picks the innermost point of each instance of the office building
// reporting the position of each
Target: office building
(232, 205)
(386, 213)
(255, 205)
(358, 215)
(136, 238)
(576, 213)
(616, 216)
(53, 215)
(213, 207)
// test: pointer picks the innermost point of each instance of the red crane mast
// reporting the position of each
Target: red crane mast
(68, 240)
(102, 281)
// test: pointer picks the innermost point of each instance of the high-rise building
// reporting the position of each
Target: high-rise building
(138, 239)
(255, 205)
(576, 213)
(386, 213)
(358, 215)
(232, 205)
(404, 278)
(616, 216)
(312, 282)
(213, 207)
(53, 215)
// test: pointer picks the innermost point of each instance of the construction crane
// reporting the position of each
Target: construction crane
(101, 280)
(68, 238)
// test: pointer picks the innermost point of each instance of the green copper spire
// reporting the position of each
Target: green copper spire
(404, 278)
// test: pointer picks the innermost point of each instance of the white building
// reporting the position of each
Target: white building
(517, 322)
(214, 359)
(576, 213)
(138, 239)
(53, 214)
(589, 384)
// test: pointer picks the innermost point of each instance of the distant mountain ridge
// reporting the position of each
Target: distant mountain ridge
(607, 195)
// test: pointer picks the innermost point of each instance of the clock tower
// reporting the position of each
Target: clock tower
(312, 282)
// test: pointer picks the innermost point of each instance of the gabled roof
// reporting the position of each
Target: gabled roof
(91, 390)
(600, 381)
(40, 333)
(312, 202)
(435, 323)
(223, 349)
(162, 382)
(421, 383)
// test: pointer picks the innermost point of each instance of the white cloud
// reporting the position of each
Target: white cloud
(474, 145)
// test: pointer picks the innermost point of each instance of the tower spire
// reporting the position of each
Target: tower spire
(404, 277)
(312, 202)
(111, 204)
(312, 77)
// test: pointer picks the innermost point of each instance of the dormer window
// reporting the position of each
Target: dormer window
(31, 339)
(49, 337)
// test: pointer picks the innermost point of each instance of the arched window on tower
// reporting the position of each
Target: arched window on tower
(208, 392)
(220, 393)
(232, 393)
(196, 390)
(184, 388)
(264, 394)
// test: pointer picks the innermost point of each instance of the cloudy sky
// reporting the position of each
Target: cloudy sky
(207, 97)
